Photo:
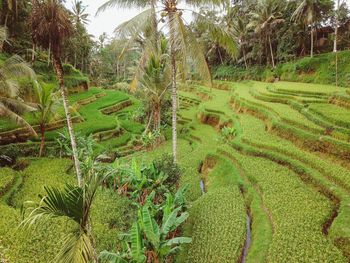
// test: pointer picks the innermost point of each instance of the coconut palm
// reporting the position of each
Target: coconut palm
(80, 16)
(51, 25)
(306, 12)
(11, 105)
(154, 79)
(46, 103)
(183, 44)
(241, 30)
(265, 18)
(73, 203)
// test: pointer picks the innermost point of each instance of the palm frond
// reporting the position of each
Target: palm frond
(193, 50)
(218, 33)
(77, 248)
(123, 4)
(6, 112)
(67, 202)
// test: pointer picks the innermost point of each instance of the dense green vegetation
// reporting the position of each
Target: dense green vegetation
(226, 139)
(320, 69)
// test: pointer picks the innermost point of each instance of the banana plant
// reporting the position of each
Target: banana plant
(134, 248)
(149, 240)
(160, 242)
(139, 181)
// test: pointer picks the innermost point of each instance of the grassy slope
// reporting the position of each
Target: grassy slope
(284, 208)
(110, 215)
(285, 188)
(319, 69)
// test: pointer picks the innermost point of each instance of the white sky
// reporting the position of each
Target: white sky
(106, 21)
(110, 19)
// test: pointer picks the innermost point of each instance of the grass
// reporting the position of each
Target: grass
(7, 177)
(111, 215)
(273, 169)
(319, 70)
(94, 120)
(218, 219)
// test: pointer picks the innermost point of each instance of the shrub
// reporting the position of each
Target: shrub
(166, 165)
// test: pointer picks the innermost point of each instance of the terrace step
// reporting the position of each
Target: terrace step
(23, 134)
(117, 107)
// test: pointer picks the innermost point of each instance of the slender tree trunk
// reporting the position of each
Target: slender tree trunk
(42, 144)
(33, 53)
(245, 59)
(335, 47)
(59, 71)
(221, 60)
(49, 55)
(271, 51)
(6, 20)
(174, 88)
(335, 36)
(150, 116)
(312, 42)
(124, 70)
(156, 116)
(336, 68)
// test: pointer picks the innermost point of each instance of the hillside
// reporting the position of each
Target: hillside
(266, 164)
(319, 70)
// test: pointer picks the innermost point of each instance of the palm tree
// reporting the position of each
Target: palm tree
(79, 15)
(155, 81)
(183, 44)
(11, 105)
(50, 26)
(73, 203)
(306, 13)
(241, 30)
(265, 18)
(46, 104)
(340, 6)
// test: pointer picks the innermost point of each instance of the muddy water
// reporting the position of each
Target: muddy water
(202, 186)
(248, 239)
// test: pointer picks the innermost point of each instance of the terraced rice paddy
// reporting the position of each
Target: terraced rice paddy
(277, 190)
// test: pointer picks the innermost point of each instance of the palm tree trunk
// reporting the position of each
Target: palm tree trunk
(42, 144)
(335, 48)
(59, 71)
(174, 88)
(312, 42)
(6, 20)
(156, 116)
(336, 68)
(221, 60)
(245, 59)
(271, 51)
(335, 36)
(33, 53)
(49, 55)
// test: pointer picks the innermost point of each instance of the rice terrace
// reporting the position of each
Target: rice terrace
(174, 131)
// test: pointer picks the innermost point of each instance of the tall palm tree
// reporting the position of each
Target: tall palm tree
(306, 13)
(46, 104)
(73, 203)
(79, 13)
(51, 25)
(241, 30)
(265, 18)
(183, 44)
(155, 79)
